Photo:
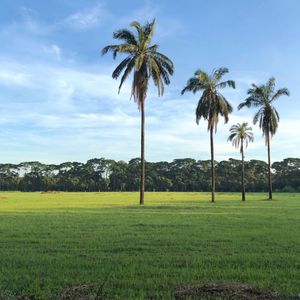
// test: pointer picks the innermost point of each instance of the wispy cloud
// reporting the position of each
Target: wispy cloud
(65, 103)
(31, 22)
(11, 77)
(87, 19)
(53, 51)
(166, 26)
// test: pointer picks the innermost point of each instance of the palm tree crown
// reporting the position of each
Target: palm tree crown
(143, 58)
(240, 133)
(263, 96)
(211, 104)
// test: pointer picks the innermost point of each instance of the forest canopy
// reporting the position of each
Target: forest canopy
(182, 175)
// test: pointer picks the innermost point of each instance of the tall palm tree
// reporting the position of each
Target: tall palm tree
(263, 97)
(239, 134)
(211, 105)
(145, 62)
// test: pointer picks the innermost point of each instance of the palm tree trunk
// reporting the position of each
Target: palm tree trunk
(142, 182)
(243, 171)
(269, 167)
(213, 179)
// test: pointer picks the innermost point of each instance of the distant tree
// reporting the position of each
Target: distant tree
(118, 176)
(211, 105)
(9, 177)
(263, 97)
(240, 134)
(100, 174)
(287, 174)
(255, 175)
(228, 169)
(145, 62)
(132, 178)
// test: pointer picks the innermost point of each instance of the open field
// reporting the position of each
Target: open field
(51, 242)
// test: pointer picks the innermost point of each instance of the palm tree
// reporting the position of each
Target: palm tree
(263, 97)
(145, 62)
(239, 134)
(211, 105)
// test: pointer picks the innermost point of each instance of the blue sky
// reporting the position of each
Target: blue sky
(59, 103)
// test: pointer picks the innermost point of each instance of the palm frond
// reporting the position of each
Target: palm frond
(148, 30)
(219, 73)
(270, 86)
(258, 115)
(126, 35)
(123, 48)
(109, 48)
(120, 67)
(126, 73)
(164, 74)
(202, 76)
(139, 30)
(194, 85)
(279, 93)
(224, 84)
(153, 48)
(165, 61)
(154, 70)
(251, 101)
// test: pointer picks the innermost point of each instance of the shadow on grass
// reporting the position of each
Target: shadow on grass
(163, 207)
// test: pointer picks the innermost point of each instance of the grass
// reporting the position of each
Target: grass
(51, 242)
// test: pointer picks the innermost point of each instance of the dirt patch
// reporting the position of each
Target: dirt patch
(82, 292)
(3, 197)
(50, 192)
(224, 291)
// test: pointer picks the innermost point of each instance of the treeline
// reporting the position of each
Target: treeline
(182, 175)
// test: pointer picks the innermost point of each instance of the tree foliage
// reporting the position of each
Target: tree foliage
(182, 175)
(263, 98)
(142, 59)
(212, 103)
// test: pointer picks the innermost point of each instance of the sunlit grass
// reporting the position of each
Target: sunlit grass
(53, 241)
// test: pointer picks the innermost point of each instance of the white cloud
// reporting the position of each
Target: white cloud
(165, 26)
(11, 77)
(53, 51)
(31, 22)
(87, 19)
(67, 108)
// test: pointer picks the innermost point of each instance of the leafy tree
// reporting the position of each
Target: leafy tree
(211, 105)
(9, 177)
(118, 176)
(263, 97)
(145, 62)
(227, 175)
(287, 174)
(132, 179)
(240, 134)
(179, 175)
(255, 174)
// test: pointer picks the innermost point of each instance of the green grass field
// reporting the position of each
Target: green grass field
(51, 242)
